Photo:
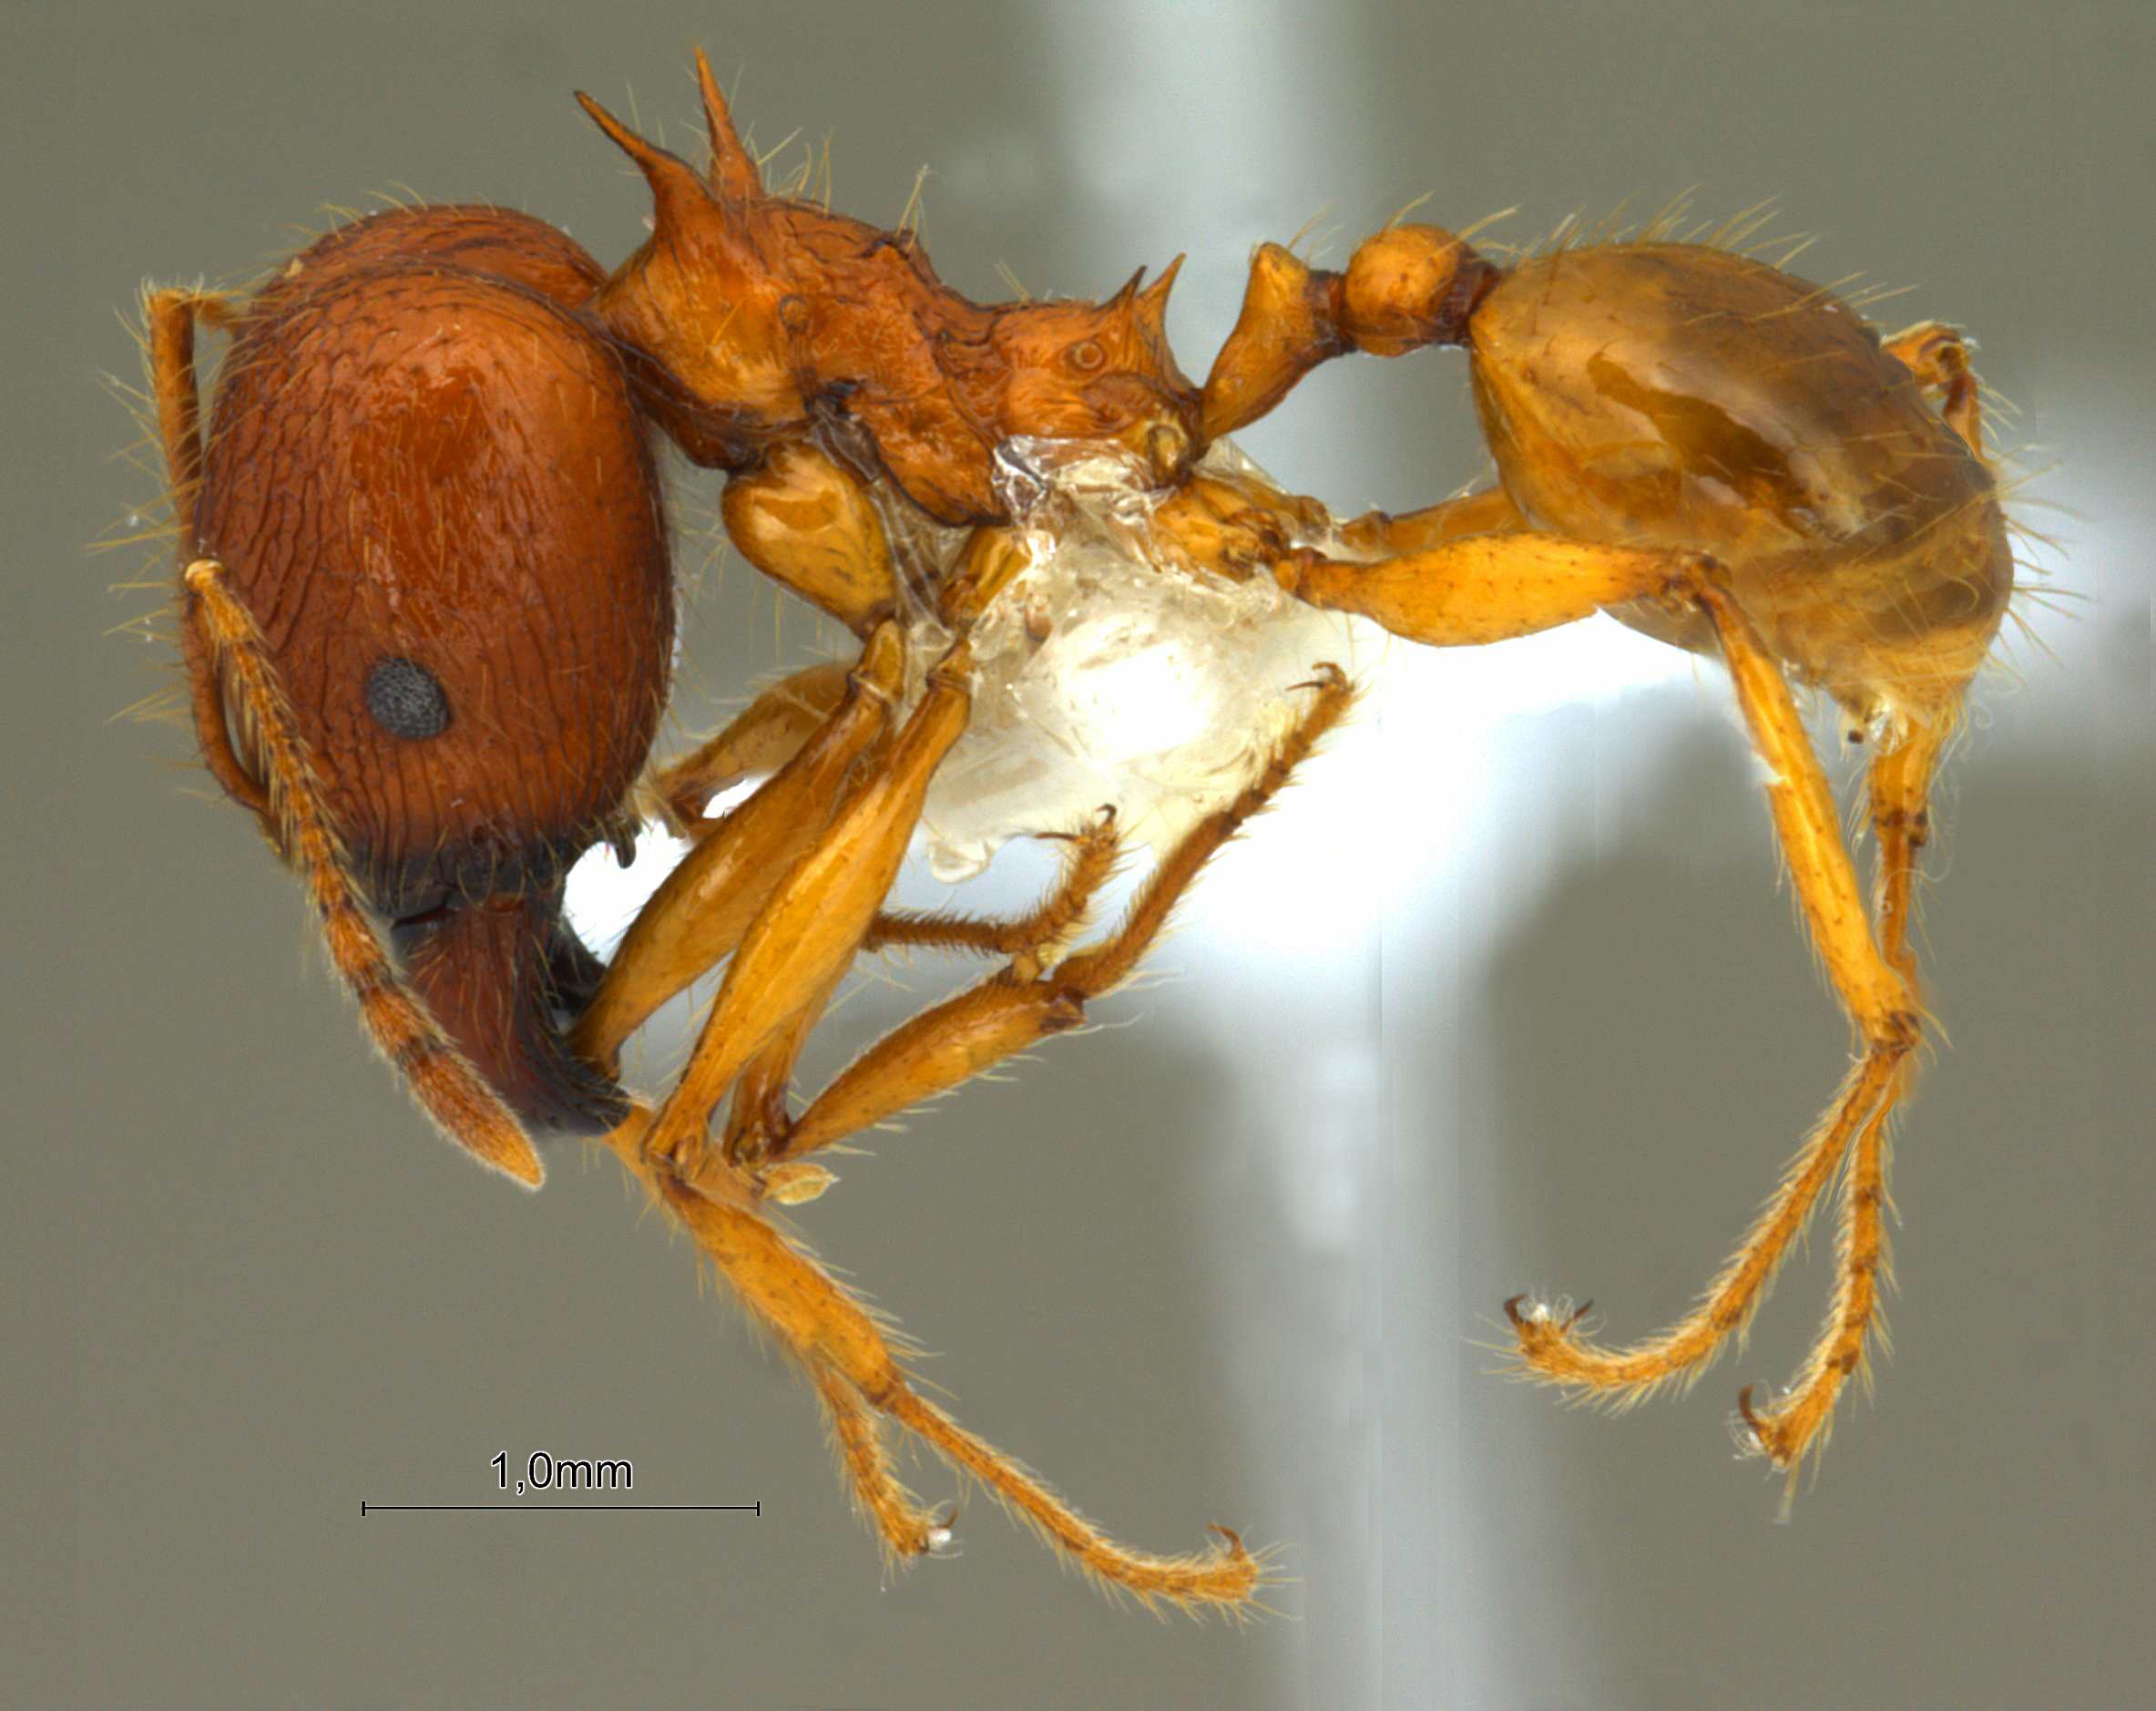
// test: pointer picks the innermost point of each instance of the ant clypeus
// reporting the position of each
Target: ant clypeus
(427, 615)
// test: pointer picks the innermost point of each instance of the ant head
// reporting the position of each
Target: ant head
(1098, 371)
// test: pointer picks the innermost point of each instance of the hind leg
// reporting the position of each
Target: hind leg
(1900, 810)
(1483, 588)
(1900, 784)
(1881, 1004)
(1899, 807)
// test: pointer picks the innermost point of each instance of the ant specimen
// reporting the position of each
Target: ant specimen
(427, 615)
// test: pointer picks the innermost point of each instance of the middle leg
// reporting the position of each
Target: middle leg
(1090, 857)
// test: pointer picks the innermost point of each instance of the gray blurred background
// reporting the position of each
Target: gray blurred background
(1502, 998)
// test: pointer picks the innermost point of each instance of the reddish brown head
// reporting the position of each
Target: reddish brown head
(761, 317)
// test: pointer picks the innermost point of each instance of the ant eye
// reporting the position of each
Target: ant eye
(1085, 355)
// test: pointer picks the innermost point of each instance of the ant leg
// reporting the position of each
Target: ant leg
(799, 943)
(1883, 1006)
(1880, 998)
(1488, 511)
(809, 924)
(760, 1117)
(1017, 1006)
(760, 1113)
(807, 521)
(1090, 858)
(812, 925)
(1483, 588)
(1862, 1271)
(906, 1529)
(1466, 590)
(761, 738)
(803, 519)
(855, 1371)
(1489, 588)
(1901, 817)
(1938, 356)
(171, 323)
(1900, 784)
(759, 1109)
(698, 916)
(448, 1089)
(1245, 527)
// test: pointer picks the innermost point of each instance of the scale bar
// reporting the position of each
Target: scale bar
(384, 1508)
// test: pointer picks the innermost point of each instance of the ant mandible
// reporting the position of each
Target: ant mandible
(427, 615)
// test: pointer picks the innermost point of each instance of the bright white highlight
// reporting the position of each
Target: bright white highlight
(604, 896)
(1108, 674)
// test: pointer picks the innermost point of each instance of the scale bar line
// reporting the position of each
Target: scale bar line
(382, 1509)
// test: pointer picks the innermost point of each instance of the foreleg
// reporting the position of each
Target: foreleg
(1017, 1006)
(852, 1365)
(805, 519)
(699, 916)
(808, 931)
(810, 922)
